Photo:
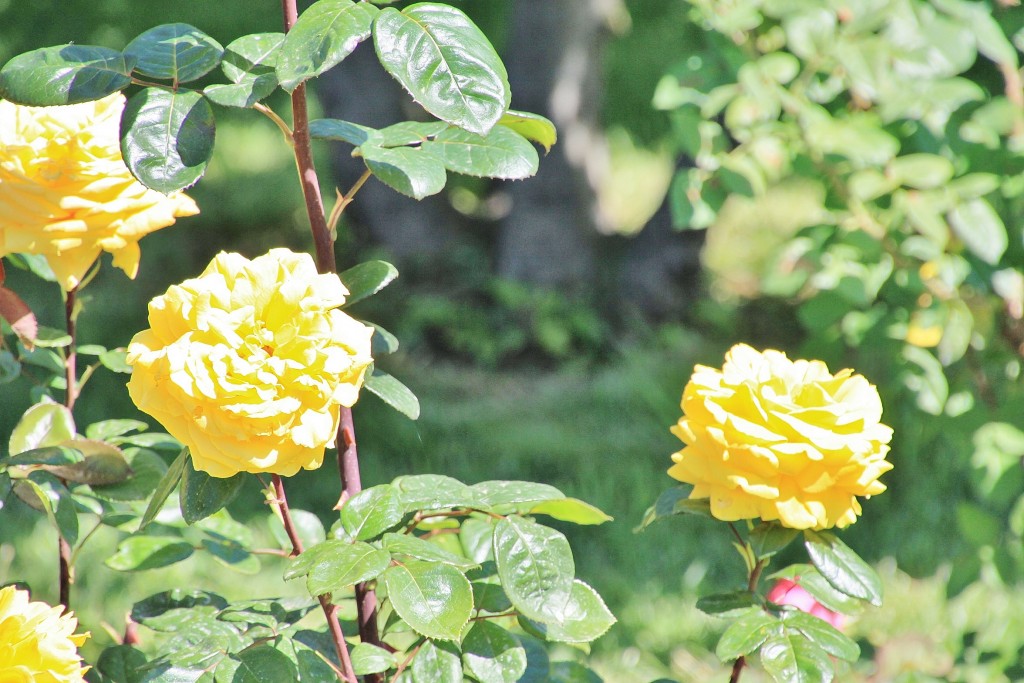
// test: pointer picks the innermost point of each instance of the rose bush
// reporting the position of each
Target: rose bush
(786, 592)
(780, 439)
(37, 643)
(250, 363)
(65, 192)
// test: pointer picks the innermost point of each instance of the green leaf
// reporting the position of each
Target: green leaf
(338, 130)
(243, 95)
(409, 170)
(791, 658)
(571, 510)
(114, 360)
(981, 229)
(261, 664)
(822, 634)
(333, 565)
(44, 424)
(436, 600)
(842, 567)
(55, 500)
(811, 580)
(383, 342)
(768, 538)
(136, 553)
(533, 127)
(122, 664)
(174, 52)
(10, 368)
(149, 610)
(371, 659)
(164, 488)
(502, 153)
(493, 655)
(436, 663)
(434, 492)
(202, 495)
(64, 74)
(746, 634)
(232, 555)
(253, 58)
(421, 549)
(167, 137)
(366, 279)
(445, 62)
(309, 527)
(324, 35)
(394, 393)
(48, 455)
(978, 526)
(497, 493)
(571, 672)
(408, 133)
(489, 596)
(675, 501)
(147, 472)
(371, 512)
(584, 619)
(921, 171)
(103, 464)
(477, 539)
(722, 603)
(108, 429)
(536, 568)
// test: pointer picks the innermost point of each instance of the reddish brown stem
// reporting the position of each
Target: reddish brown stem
(65, 572)
(330, 610)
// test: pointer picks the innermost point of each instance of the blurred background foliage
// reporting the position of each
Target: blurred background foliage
(850, 173)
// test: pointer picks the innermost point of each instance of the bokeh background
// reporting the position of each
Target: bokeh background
(841, 180)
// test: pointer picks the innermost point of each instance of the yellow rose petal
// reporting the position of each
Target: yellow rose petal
(37, 642)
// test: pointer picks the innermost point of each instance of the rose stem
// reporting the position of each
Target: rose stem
(347, 456)
(330, 609)
(755, 576)
(70, 373)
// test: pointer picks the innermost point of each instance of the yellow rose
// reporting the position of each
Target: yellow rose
(65, 192)
(779, 439)
(249, 363)
(37, 643)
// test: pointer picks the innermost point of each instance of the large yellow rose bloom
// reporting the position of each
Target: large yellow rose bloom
(250, 363)
(65, 192)
(774, 438)
(37, 643)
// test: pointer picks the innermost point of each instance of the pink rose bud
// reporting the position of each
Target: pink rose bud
(786, 592)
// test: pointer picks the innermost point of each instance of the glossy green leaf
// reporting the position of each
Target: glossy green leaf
(746, 634)
(114, 360)
(393, 392)
(434, 492)
(64, 74)
(501, 153)
(54, 499)
(324, 35)
(149, 610)
(261, 664)
(722, 603)
(675, 501)
(232, 555)
(571, 672)
(409, 170)
(174, 52)
(371, 659)
(164, 487)
(498, 493)
(421, 549)
(570, 510)
(242, 95)
(822, 634)
(201, 495)
(147, 470)
(533, 127)
(489, 596)
(342, 131)
(334, 565)
(366, 279)
(102, 464)
(477, 539)
(768, 538)
(536, 568)
(51, 338)
(136, 553)
(122, 664)
(820, 589)
(307, 525)
(584, 619)
(371, 512)
(842, 567)
(493, 655)
(383, 342)
(48, 455)
(44, 424)
(109, 429)
(791, 658)
(436, 600)
(167, 137)
(253, 58)
(408, 133)
(445, 62)
(436, 663)
(981, 229)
